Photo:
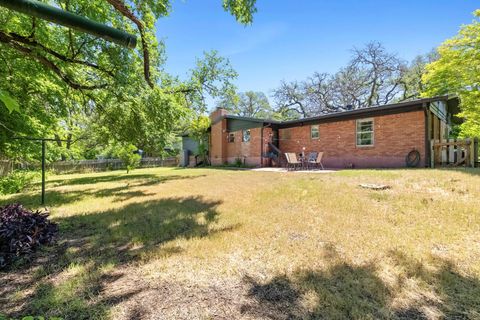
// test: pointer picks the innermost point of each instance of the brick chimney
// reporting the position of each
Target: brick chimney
(217, 114)
(218, 138)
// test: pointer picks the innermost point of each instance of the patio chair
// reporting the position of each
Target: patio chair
(312, 157)
(292, 161)
(317, 161)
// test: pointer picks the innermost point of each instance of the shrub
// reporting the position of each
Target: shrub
(16, 181)
(129, 157)
(22, 231)
(238, 162)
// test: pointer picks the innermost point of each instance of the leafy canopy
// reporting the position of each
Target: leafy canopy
(70, 85)
(248, 104)
(457, 71)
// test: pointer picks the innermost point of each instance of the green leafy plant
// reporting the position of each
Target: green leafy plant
(456, 72)
(131, 98)
(129, 157)
(198, 130)
(17, 181)
(238, 162)
(9, 102)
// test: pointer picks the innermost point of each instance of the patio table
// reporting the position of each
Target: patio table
(303, 160)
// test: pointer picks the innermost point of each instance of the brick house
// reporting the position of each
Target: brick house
(376, 137)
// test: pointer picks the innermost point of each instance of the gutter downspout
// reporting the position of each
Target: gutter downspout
(427, 140)
(261, 143)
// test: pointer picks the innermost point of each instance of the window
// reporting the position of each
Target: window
(365, 132)
(285, 134)
(231, 137)
(314, 132)
(246, 135)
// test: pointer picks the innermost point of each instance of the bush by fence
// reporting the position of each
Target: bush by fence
(8, 166)
(17, 180)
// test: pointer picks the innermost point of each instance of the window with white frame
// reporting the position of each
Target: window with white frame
(364, 132)
(246, 135)
(231, 137)
(314, 132)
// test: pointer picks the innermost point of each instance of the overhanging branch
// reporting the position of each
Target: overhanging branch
(10, 41)
(125, 11)
(34, 43)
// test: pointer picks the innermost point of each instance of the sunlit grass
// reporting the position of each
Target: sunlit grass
(201, 243)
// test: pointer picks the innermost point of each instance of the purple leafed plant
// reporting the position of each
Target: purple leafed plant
(22, 231)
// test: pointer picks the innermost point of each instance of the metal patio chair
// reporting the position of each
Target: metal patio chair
(317, 161)
(311, 158)
(292, 161)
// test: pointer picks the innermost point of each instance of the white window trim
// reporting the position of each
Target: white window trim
(318, 130)
(373, 132)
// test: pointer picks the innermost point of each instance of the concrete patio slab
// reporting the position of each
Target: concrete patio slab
(268, 169)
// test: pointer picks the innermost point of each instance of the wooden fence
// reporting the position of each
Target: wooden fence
(454, 153)
(7, 166)
(107, 164)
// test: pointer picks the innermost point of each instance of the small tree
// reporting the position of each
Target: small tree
(199, 132)
(129, 157)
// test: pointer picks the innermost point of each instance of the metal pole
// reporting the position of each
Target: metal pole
(44, 11)
(43, 171)
(43, 154)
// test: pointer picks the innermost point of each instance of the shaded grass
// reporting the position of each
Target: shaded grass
(83, 186)
(357, 292)
(94, 245)
(201, 243)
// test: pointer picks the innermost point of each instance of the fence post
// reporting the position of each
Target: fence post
(43, 171)
(438, 153)
(432, 154)
(468, 152)
(475, 151)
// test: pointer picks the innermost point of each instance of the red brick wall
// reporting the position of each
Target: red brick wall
(394, 136)
(267, 137)
(218, 142)
(250, 151)
(222, 151)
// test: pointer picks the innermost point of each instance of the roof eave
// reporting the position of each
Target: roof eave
(389, 108)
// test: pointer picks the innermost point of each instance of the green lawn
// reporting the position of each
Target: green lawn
(225, 244)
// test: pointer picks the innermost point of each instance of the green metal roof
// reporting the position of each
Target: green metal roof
(235, 123)
(357, 113)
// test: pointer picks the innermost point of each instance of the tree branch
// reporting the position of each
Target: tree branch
(10, 41)
(125, 11)
(34, 43)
